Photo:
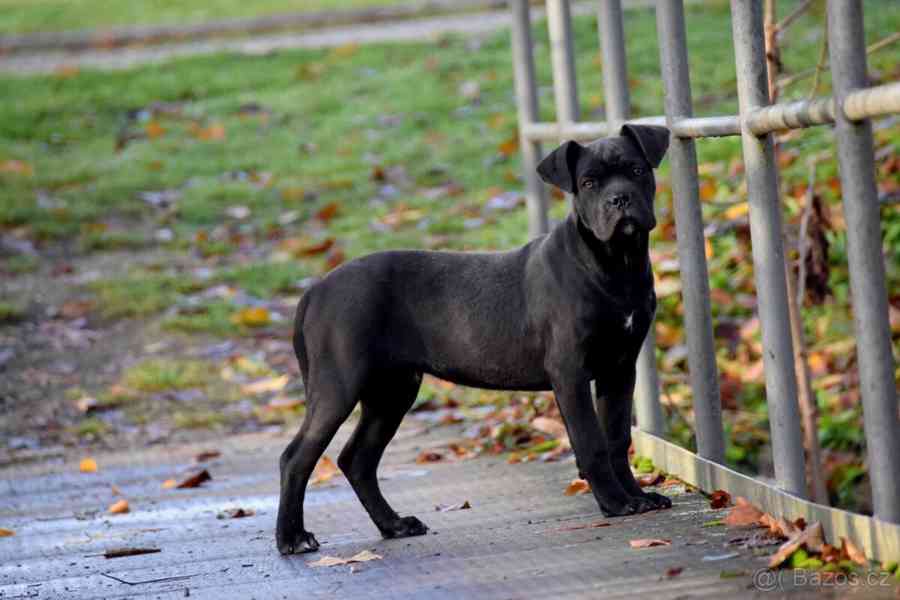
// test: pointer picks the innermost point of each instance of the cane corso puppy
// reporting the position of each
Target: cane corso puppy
(567, 308)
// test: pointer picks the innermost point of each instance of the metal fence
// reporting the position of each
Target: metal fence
(850, 108)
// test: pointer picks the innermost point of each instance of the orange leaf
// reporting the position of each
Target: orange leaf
(328, 212)
(509, 147)
(168, 484)
(6, 532)
(255, 316)
(214, 132)
(154, 130)
(87, 465)
(577, 487)
(707, 190)
(852, 552)
(314, 249)
(325, 470)
(429, 456)
(118, 508)
(649, 543)
(743, 515)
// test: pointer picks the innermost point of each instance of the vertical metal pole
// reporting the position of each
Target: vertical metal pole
(704, 375)
(562, 56)
(615, 87)
(527, 101)
(856, 160)
(768, 250)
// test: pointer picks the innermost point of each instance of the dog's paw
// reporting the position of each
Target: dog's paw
(404, 527)
(658, 500)
(620, 508)
(298, 543)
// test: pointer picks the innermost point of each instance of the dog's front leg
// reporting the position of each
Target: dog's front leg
(614, 406)
(573, 395)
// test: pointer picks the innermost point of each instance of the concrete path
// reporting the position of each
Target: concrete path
(521, 538)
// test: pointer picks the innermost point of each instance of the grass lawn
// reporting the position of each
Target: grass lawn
(268, 170)
(29, 16)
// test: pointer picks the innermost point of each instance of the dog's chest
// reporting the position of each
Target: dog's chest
(619, 329)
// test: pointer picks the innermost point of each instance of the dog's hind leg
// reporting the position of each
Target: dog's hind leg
(384, 403)
(329, 403)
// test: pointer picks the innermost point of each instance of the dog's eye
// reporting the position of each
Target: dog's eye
(587, 184)
(638, 171)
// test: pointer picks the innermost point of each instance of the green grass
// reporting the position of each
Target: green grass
(157, 375)
(141, 293)
(27, 16)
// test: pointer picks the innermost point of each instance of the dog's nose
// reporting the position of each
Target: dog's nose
(620, 201)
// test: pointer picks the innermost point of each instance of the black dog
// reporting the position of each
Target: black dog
(566, 308)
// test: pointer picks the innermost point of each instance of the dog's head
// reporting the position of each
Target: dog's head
(611, 179)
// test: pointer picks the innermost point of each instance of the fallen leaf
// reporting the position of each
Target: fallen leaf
(266, 386)
(577, 486)
(6, 532)
(154, 130)
(85, 404)
(447, 508)
(87, 465)
(207, 455)
(812, 538)
(674, 571)
(737, 211)
(743, 514)
(325, 470)
(122, 552)
(648, 479)
(649, 543)
(254, 316)
(719, 499)
(115, 490)
(17, 167)
(852, 552)
(429, 456)
(328, 212)
(118, 508)
(314, 249)
(213, 132)
(195, 480)
(236, 513)
(333, 561)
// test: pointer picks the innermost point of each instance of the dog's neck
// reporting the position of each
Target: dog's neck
(620, 257)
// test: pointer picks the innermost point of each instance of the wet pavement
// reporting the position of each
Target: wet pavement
(521, 538)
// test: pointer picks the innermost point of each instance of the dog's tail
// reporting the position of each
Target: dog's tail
(299, 344)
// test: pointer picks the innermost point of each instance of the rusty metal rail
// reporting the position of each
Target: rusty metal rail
(849, 110)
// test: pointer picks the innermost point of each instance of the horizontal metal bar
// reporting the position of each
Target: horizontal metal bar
(879, 539)
(876, 101)
(873, 102)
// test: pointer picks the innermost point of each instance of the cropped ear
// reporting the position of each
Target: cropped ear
(651, 139)
(558, 168)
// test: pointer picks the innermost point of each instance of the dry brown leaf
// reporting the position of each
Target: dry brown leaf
(325, 470)
(154, 130)
(213, 132)
(6, 532)
(812, 537)
(328, 212)
(719, 499)
(119, 508)
(429, 456)
(266, 386)
(168, 484)
(578, 486)
(207, 455)
(674, 571)
(195, 480)
(333, 561)
(649, 543)
(852, 552)
(743, 514)
(87, 465)
(314, 249)
(115, 490)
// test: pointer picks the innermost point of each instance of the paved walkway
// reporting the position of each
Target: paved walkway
(521, 538)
